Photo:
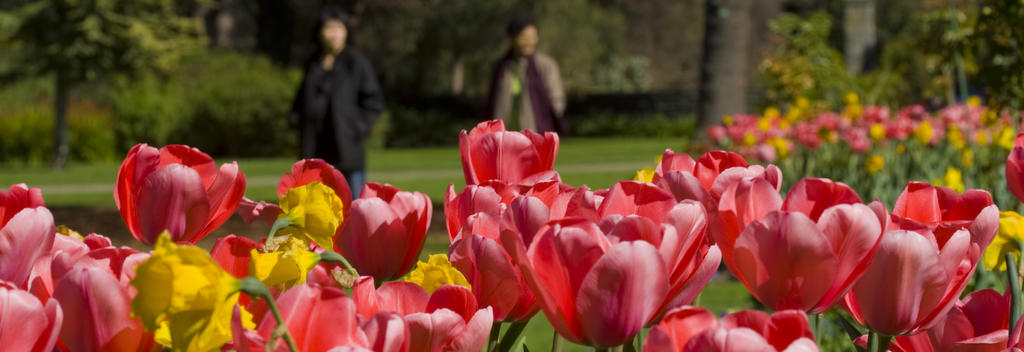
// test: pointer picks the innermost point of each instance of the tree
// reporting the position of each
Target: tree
(724, 70)
(77, 41)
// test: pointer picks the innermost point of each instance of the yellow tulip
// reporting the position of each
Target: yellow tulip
(967, 157)
(749, 139)
(780, 145)
(1011, 230)
(437, 271)
(974, 101)
(644, 175)
(186, 295)
(314, 211)
(956, 138)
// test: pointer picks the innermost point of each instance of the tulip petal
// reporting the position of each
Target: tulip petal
(96, 309)
(28, 236)
(176, 201)
(622, 291)
(386, 332)
(785, 261)
(854, 233)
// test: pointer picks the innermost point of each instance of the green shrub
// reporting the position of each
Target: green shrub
(227, 104)
(410, 127)
(28, 132)
(608, 124)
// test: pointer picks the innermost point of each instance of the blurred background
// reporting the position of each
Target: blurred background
(220, 74)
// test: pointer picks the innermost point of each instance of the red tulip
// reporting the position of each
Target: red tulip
(27, 324)
(318, 319)
(489, 152)
(306, 171)
(472, 200)
(178, 189)
(695, 329)
(790, 262)
(592, 292)
(18, 197)
(812, 196)
(744, 202)
(25, 238)
(706, 179)
(923, 207)
(978, 323)
(385, 231)
(65, 249)
(447, 320)
(1015, 168)
(233, 254)
(912, 281)
(635, 197)
(96, 313)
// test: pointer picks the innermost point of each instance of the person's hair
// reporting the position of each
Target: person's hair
(328, 13)
(518, 23)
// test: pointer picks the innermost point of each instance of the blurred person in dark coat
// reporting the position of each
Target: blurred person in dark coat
(526, 86)
(338, 100)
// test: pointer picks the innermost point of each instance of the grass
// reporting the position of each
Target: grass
(596, 162)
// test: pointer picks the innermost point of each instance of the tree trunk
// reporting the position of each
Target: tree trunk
(724, 75)
(859, 34)
(60, 126)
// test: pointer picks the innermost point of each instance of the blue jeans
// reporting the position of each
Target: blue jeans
(356, 179)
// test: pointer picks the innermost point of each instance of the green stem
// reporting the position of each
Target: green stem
(1014, 280)
(492, 341)
(512, 335)
(279, 224)
(631, 345)
(878, 342)
(556, 343)
(255, 288)
(815, 321)
(334, 257)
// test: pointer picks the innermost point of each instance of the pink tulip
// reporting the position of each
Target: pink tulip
(318, 319)
(27, 324)
(385, 231)
(812, 196)
(592, 292)
(788, 261)
(496, 281)
(472, 200)
(490, 152)
(96, 313)
(695, 329)
(24, 238)
(912, 281)
(744, 202)
(178, 189)
(978, 323)
(447, 320)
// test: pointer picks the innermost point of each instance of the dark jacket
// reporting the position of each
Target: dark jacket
(337, 108)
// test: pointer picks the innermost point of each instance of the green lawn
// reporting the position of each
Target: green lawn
(595, 162)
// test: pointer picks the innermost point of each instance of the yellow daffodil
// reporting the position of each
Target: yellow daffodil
(923, 132)
(1011, 230)
(851, 98)
(877, 132)
(644, 175)
(989, 117)
(764, 123)
(874, 164)
(974, 101)
(901, 149)
(313, 211)
(437, 271)
(956, 138)
(186, 296)
(781, 147)
(749, 139)
(1006, 137)
(771, 112)
(284, 266)
(953, 179)
(803, 103)
(983, 138)
(728, 120)
(67, 231)
(967, 157)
